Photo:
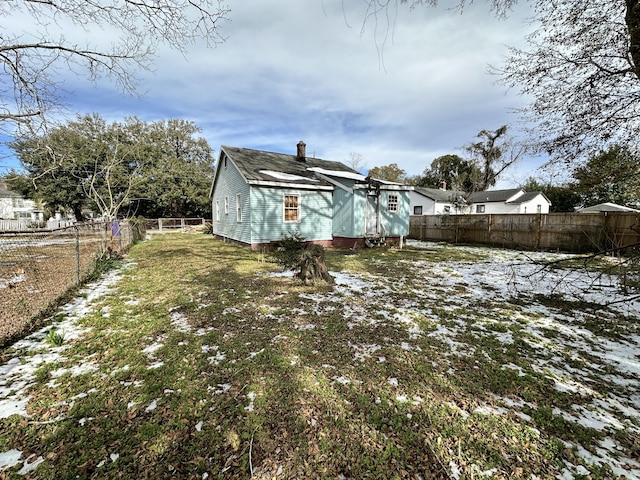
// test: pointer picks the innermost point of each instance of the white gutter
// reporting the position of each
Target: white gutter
(301, 186)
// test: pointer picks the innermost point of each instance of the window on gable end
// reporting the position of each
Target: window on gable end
(226, 205)
(238, 208)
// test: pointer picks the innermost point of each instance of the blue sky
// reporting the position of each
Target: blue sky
(314, 71)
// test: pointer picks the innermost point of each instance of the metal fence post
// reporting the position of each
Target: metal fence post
(105, 237)
(77, 230)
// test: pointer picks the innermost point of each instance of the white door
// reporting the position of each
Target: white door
(371, 226)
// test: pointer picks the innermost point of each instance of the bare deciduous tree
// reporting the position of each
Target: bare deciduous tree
(581, 70)
(30, 82)
(356, 161)
(493, 154)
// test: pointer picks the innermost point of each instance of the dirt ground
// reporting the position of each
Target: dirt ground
(36, 270)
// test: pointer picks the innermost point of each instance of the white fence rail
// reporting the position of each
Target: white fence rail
(26, 225)
(176, 224)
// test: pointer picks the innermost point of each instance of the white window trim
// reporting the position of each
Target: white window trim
(238, 208)
(217, 210)
(284, 207)
(226, 205)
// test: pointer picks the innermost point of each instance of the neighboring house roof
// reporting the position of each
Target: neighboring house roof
(439, 195)
(606, 207)
(258, 166)
(5, 192)
(494, 195)
(528, 196)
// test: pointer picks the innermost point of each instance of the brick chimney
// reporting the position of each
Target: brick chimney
(302, 151)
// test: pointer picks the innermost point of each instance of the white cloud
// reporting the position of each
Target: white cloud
(400, 92)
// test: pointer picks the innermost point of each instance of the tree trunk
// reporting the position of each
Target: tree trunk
(632, 18)
(312, 266)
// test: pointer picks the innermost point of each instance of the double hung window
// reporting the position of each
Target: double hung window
(292, 208)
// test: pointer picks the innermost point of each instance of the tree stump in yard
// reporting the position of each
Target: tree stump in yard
(312, 267)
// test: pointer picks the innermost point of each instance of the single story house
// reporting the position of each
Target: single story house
(437, 201)
(514, 200)
(258, 197)
(607, 207)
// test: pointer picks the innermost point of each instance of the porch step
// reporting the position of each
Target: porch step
(372, 242)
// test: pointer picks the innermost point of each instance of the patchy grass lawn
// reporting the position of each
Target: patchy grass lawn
(196, 359)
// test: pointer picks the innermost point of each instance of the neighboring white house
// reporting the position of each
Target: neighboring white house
(435, 201)
(14, 206)
(607, 207)
(514, 200)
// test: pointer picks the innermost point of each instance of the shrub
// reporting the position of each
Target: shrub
(307, 260)
(289, 249)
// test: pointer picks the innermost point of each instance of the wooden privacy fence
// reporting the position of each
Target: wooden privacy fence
(569, 232)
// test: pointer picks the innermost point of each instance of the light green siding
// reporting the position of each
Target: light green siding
(343, 210)
(395, 224)
(350, 213)
(359, 212)
(323, 214)
(229, 185)
(267, 210)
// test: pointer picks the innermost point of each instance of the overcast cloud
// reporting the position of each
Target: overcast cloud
(404, 92)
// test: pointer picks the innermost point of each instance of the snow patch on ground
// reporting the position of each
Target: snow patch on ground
(505, 275)
(18, 373)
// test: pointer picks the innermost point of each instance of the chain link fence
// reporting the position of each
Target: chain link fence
(37, 268)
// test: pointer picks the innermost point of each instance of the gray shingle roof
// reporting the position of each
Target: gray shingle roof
(440, 195)
(258, 165)
(606, 207)
(5, 192)
(493, 195)
(526, 196)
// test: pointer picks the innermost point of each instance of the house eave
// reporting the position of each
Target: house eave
(399, 188)
(301, 186)
(334, 182)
